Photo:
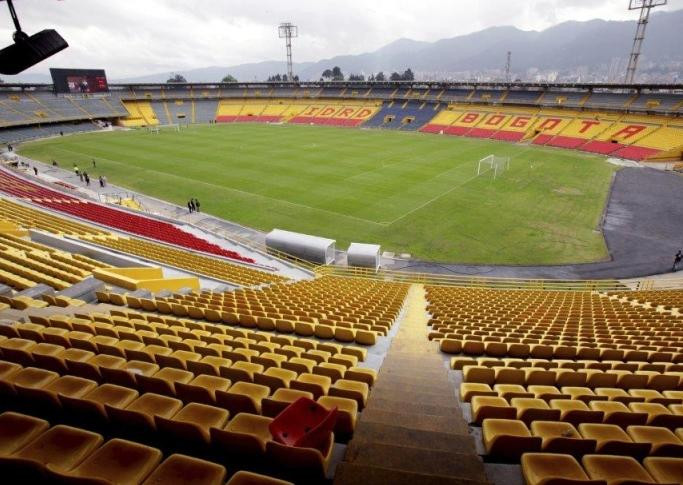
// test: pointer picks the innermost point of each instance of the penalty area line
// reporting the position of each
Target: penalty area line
(434, 199)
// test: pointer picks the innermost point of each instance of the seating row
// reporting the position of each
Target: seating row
(669, 350)
(33, 451)
(203, 429)
(35, 387)
(545, 468)
(580, 394)
(591, 378)
(29, 217)
(458, 363)
(190, 375)
(509, 439)
(179, 334)
(291, 324)
(529, 409)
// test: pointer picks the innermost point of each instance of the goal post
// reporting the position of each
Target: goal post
(156, 129)
(493, 163)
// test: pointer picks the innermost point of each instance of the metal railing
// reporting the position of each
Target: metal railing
(472, 281)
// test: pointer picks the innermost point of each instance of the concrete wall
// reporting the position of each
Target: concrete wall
(79, 247)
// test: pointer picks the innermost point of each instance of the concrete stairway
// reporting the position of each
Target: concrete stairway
(411, 430)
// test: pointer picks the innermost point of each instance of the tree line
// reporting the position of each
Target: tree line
(179, 79)
(334, 74)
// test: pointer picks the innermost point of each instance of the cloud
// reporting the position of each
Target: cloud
(132, 38)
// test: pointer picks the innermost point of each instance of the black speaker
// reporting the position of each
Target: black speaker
(30, 51)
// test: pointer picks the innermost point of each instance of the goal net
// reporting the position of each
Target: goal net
(156, 129)
(494, 164)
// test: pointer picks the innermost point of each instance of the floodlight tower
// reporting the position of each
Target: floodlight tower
(287, 31)
(645, 6)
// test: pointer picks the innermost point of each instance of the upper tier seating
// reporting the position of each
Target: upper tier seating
(403, 115)
(522, 97)
(107, 216)
(26, 107)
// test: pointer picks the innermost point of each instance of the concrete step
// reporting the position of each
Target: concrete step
(412, 407)
(396, 394)
(397, 435)
(407, 363)
(408, 389)
(417, 460)
(444, 424)
(353, 474)
(400, 380)
(427, 371)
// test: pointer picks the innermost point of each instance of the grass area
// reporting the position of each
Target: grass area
(410, 192)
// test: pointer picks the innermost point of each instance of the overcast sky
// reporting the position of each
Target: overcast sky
(137, 37)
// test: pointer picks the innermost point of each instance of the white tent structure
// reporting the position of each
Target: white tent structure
(310, 248)
(364, 255)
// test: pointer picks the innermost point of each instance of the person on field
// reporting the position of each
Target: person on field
(35, 170)
(190, 206)
(76, 170)
(87, 178)
(196, 204)
(94, 165)
(677, 260)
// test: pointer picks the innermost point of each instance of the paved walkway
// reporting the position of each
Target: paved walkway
(643, 229)
(411, 430)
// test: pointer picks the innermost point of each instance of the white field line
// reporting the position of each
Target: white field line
(434, 199)
(223, 187)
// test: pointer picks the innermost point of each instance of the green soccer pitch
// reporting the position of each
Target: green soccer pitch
(410, 192)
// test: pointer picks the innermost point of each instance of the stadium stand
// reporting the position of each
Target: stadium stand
(553, 377)
(328, 307)
(200, 388)
(195, 263)
(523, 97)
(205, 110)
(561, 382)
(23, 133)
(408, 115)
(107, 216)
(35, 263)
(669, 299)
(141, 113)
(554, 117)
(336, 114)
(182, 384)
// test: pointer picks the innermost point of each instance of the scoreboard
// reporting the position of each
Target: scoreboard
(79, 80)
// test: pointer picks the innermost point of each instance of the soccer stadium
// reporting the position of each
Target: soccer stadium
(339, 281)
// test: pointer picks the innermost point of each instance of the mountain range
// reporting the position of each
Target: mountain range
(595, 50)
